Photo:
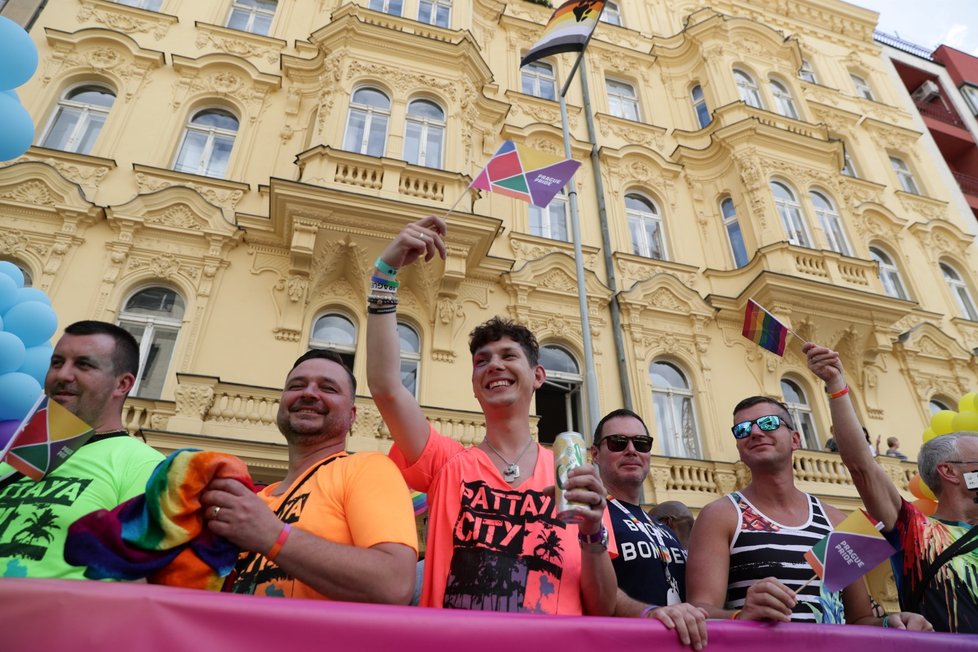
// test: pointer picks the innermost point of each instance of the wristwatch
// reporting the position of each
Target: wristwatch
(597, 542)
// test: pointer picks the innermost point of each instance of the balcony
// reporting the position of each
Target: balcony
(938, 111)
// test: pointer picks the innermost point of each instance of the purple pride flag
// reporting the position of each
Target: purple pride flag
(848, 552)
(525, 174)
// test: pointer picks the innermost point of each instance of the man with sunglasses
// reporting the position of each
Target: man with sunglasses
(949, 598)
(651, 562)
(746, 557)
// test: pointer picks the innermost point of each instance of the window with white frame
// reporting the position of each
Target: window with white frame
(149, 5)
(699, 106)
(410, 357)
(848, 167)
(424, 134)
(622, 100)
(153, 316)
(734, 235)
(253, 16)
(675, 419)
(551, 220)
(207, 142)
(971, 95)
(831, 223)
(748, 90)
(784, 103)
(939, 403)
(889, 274)
(366, 125)
(904, 175)
(645, 227)
(806, 72)
(392, 7)
(79, 118)
(862, 87)
(791, 216)
(558, 401)
(435, 12)
(800, 411)
(337, 333)
(538, 80)
(611, 14)
(962, 296)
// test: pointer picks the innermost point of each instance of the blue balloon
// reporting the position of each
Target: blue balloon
(18, 128)
(18, 54)
(12, 353)
(32, 294)
(37, 359)
(8, 293)
(10, 270)
(18, 393)
(32, 321)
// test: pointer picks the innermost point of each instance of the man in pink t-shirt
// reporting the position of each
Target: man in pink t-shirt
(494, 541)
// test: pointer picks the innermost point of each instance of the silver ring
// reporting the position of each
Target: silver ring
(216, 510)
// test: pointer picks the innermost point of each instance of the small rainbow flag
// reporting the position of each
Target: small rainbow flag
(47, 436)
(848, 552)
(420, 502)
(526, 174)
(761, 328)
(568, 30)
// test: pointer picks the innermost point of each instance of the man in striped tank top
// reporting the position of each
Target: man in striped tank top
(746, 556)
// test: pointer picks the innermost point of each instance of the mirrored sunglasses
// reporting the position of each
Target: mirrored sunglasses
(767, 424)
(618, 443)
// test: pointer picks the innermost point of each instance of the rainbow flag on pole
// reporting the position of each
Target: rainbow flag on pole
(848, 552)
(568, 30)
(761, 328)
(525, 174)
(47, 436)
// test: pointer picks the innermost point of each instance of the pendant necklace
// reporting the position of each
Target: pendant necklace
(512, 470)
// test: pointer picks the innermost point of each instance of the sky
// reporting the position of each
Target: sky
(929, 23)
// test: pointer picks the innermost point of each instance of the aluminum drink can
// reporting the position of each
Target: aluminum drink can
(568, 454)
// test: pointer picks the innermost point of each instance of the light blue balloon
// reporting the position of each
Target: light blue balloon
(32, 294)
(10, 270)
(12, 353)
(12, 93)
(32, 321)
(37, 359)
(18, 54)
(8, 293)
(18, 393)
(18, 128)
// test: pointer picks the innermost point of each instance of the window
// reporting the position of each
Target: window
(674, 419)
(937, 404)
(801, 413)
(783, 102)
(28, 277)
(734, 235)
(538, 80)
(622, 101)
(392, 7)
(791, 218)
(424, 133)
(153, 316)
(971, 94)
(828, 219)
(889, 274)
(645, 227)
(550, 222)
(559, 398)
(253, 16)
(337, 333)
(748, 90)
(207, 142)
(700, 107)
(81, 113)
(966, 305)
(435, 12)
(848, 167)
(149, 5)
(611, 14)
(410, 357)
(366, 125)
(862, 87)
(806, 72)
(904, 175)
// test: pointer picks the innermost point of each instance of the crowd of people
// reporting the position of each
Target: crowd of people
(340, 526)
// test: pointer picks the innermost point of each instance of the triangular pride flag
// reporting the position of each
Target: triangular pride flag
(761, 328)
(526, 174)
(568, 30)
(47, 436)
(848, 552)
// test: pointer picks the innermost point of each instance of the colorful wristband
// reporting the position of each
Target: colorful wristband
(841, 392)
(384, 268)
(279, 542)
(735, 614)
(649, 609)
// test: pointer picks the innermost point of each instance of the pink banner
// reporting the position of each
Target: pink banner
(67, 615)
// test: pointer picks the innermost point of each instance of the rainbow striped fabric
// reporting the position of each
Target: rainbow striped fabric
(568, 30)
(761, 328)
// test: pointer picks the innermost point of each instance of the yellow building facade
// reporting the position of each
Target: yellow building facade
(218, 176)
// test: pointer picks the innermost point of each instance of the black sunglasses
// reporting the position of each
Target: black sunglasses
(767, 424)
(618, 443)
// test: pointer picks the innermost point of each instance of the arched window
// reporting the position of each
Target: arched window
(791, 217)
(337, 333)
(889, 274)
(800, 412)
(366, 125)
(537, 79)
(435, 12)
(699, 106)
(79, 118)
(153, 316)
(734, 235)
(966, 305)
(424, 134)
(784, 103)
(748, 90)
(831, 223)
(611, 14)
(622, 100)
(937, 404)
(904, 175)
(862, 87)
(28, 277)
(253, 16)
(645, 227)
(675, 420)
(207, 142)
(410, 357)
(806, 72)
(551, 221)
(392, 7)
(559, 399)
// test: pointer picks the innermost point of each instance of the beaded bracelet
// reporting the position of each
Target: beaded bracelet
(279, 542)
(384, 268)
(389, 300)
(386, 310)
(840, 393)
